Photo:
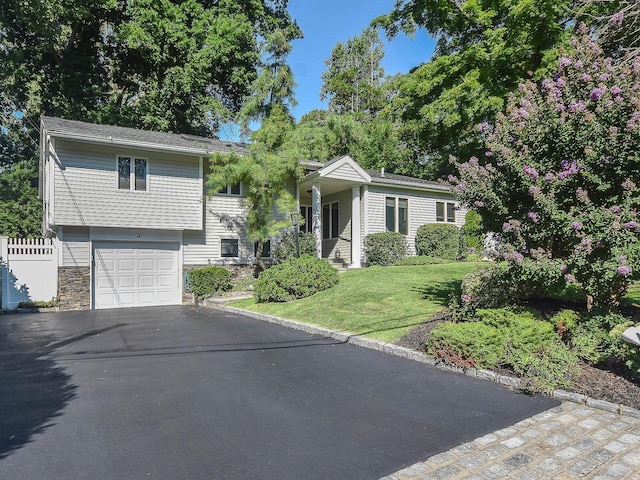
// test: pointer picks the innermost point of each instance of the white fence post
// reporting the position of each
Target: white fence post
(4, 274)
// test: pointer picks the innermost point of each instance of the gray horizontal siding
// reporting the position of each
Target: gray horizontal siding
(422, 210)
(86, 193)
(75, 247)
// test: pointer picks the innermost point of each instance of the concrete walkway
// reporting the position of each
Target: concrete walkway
(582, 438)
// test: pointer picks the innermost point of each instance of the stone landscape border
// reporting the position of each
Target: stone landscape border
(420, 357)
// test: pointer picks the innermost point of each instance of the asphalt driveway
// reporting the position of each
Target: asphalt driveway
(189, 393)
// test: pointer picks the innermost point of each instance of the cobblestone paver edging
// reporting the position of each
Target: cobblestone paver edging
(583, 438)
(570, 441)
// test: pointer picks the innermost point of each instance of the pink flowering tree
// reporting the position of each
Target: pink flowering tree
(559, 178)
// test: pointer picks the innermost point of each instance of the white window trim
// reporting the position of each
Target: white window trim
(445, 215)
(132, 173)
(330, 222)
(227, 192)
(396, 212)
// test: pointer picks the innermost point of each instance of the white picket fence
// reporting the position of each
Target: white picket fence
(29, 269)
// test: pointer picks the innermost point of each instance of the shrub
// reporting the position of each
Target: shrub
(285, 247)
(472, 234)
(438, 240)
(207, 281)
(294, 279)
(559, 175)
(503, 284)
(598, 339)
(476, 344)
(543, 369)
(385, 248)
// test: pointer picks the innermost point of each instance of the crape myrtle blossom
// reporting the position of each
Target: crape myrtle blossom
(558, 172)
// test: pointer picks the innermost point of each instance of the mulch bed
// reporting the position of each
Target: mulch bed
(599, 383)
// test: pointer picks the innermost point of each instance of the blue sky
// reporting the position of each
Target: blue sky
(327, 22)
(324, 24)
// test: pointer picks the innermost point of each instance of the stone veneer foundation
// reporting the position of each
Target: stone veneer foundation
(74, 288)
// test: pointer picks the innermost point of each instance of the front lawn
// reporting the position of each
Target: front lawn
(379, 302)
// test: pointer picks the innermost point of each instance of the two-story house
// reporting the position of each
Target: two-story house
(131, 214)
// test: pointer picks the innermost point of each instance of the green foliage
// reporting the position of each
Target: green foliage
(265, 172)
(420, 260)
(354, 76)
(385, 248)
(472, 232)
(438, 240)
(294, 279)
(550, 366)
(513, 337)
(484, 50)
(207, 281)
(20, 209)
(475, 344)
(565, 322)
(559, 177)
(502, 284)
(285, 247)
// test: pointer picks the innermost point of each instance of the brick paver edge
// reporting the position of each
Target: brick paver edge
(390, 348)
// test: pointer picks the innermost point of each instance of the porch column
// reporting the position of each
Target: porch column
(316, 213)
(356, 252)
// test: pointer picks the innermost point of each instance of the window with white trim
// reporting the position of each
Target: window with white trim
(397, 215)
(229, 247)
(132, 173)
(234, 189)
(446, 212)
(330, 220)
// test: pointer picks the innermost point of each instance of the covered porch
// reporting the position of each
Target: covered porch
(330, 198)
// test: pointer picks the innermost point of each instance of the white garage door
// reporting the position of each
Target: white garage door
(136, 274)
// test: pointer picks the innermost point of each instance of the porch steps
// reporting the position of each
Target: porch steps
(339, 264)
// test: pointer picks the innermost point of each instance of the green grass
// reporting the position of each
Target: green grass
(379, 302)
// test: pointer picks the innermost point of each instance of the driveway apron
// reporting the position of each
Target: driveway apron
(195, 393)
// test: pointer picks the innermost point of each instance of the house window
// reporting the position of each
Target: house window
(397, 215)
(448, 208)
(266, 249)
(229, 247)
(330, 220)
(231, 190)
(132, 168)
(306, 212)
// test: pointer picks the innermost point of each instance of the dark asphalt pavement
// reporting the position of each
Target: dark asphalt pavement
(189, 393)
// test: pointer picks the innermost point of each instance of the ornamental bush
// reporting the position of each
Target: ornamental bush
(558, 178)
(385, 248)
(285, 247)
(207, 281)
(438, 240)
(294, 279)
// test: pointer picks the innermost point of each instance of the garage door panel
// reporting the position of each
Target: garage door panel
(141, 275)
(147, 281)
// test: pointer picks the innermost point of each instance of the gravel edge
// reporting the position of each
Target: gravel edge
(420, 357)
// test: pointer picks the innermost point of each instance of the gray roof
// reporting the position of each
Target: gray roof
(391, 179)
(111, 134)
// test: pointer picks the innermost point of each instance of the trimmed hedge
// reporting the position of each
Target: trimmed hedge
(207, 281)
(294, 279)
(438, 240)
(385, 248)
